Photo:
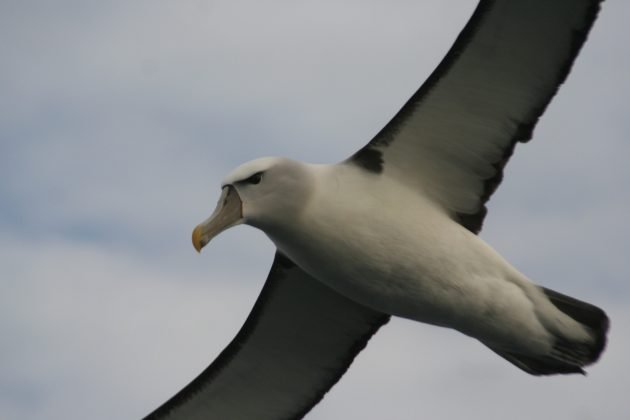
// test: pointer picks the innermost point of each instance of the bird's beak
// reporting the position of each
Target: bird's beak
(229, 212)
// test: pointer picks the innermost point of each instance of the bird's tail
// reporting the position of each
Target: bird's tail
(566, 356)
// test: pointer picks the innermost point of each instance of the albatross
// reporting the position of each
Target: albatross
(392, 230)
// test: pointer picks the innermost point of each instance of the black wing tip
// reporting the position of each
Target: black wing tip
(525, 130)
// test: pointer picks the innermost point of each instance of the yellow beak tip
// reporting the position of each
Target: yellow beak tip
(196, 239)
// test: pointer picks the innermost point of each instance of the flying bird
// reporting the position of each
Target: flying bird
(392, 230)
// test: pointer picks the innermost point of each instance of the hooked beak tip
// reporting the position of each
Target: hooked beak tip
(228, 213)
(197, 239)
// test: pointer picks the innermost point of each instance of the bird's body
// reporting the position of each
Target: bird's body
(411, 260)
(392, 230)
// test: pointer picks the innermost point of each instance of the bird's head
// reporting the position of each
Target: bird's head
(260, 193)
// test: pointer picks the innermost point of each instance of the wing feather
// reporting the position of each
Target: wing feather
(454, 136)
(297, 342)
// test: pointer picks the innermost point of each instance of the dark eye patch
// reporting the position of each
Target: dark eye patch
(254, 179)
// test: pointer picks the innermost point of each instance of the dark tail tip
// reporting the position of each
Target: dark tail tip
(584, 313)
(566, 356)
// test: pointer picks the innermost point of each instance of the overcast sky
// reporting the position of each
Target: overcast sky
(118, 121)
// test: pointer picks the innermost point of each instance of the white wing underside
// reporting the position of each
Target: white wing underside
(452, 139)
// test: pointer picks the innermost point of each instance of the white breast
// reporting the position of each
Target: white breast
(393, 250)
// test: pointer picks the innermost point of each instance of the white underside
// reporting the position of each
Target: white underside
(411, 260)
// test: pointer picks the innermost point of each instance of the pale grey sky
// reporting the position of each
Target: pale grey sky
(119, 119)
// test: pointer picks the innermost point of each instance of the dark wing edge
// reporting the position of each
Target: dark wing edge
(209, 391)
(371, 158)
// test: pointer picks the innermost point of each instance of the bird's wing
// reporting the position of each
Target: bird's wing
(452, 139)
(297, 342)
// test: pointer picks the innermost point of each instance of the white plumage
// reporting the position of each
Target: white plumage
(392, 230)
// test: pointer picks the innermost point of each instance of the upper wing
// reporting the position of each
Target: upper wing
(456, 133)
(298, 340)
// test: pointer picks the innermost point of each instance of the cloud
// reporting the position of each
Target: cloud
(87, 324)
(118, 120)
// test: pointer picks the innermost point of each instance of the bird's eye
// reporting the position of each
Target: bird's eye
(255, 179)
